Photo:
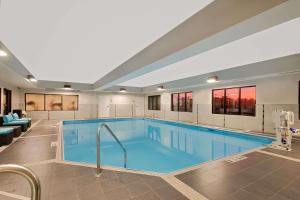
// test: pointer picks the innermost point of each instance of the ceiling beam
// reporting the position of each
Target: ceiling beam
(269, 68)
(219, 23)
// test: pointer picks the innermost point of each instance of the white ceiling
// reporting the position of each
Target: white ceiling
(278, 41)
(81, 41)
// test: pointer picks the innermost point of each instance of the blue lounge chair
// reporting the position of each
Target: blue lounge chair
(17, 118)
(17, 130)
(6, 136)
(7, 120)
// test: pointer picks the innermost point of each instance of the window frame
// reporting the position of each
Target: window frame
(212, 102)
(172, 102)
(45, 98)
(62, 100)
(183, 107)
(35, 94)
(0, 100)
(241, 101)
(157, 100)
(178, 100)
(225, 104)
(186, 102)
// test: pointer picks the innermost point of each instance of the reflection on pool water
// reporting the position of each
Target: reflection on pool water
(153, 145)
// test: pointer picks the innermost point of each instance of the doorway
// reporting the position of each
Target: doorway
(6, 101)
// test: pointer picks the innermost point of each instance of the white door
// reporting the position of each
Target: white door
(104, 102)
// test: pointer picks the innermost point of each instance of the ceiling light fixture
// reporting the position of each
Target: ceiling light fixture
(3, 53)
(160, 88)
(31, 78)
(67, 87)
(123, 90)
(212, 79)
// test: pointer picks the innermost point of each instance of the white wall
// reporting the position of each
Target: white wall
(272, 93)
(92, 105)
(120, 105)
(15, 96)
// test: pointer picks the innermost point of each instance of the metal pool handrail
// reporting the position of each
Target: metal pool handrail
(99, 170)
(26, 173)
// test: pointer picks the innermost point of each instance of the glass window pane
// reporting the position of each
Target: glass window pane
(233, 101)
(53, 102)
(34, 102)
(182, 102)
(149, 103)
(248, 101)
(174, 105)
(158, 102)
(154, 102)
(70, 102)
(189, 102)
(218, 101)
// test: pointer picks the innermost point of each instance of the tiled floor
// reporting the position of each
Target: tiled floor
(295, 153)
(2, 197)
(27, 150)
(63, 182)
(258, 177)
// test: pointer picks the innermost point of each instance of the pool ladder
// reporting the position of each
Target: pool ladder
(103, 125)
(26, 173)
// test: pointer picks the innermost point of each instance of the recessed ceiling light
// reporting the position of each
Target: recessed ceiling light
(31, 78)
(160, 88)
(3, 53)
(212, 79)
(123, 90)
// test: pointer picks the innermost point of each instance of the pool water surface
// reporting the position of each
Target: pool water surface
(153, 145)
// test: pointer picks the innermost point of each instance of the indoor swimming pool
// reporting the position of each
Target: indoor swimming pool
(153, 145)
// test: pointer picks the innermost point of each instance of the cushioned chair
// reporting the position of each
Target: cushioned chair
(17, 130)
(6, 136)
(7, 120)
(17, 118)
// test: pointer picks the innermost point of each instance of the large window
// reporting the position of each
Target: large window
(182, 102)
(234, 101)
(154, 102)
(50, 102)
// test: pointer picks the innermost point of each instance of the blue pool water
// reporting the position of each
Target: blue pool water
(153, 145)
